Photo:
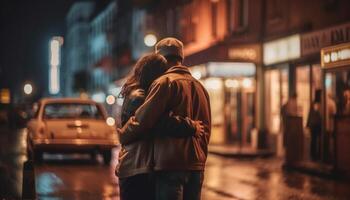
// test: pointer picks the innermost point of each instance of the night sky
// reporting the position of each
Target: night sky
(26, 28)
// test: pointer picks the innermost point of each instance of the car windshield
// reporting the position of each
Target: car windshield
(72, 110)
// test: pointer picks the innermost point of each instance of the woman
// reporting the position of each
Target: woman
(136, 159)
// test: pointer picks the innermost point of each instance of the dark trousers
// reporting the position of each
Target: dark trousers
(179, 185)
(137, 187)
(315, 145)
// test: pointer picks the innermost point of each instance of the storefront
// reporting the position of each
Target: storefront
(336, 103)
(278, 75)
(292, 66)
(231, 84)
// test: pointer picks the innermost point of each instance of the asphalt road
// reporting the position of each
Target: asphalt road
(80, 177)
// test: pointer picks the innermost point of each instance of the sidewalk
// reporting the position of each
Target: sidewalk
(235, 151)
(315, 169)
(311, 168)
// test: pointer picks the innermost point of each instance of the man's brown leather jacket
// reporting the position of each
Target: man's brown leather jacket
(179, 92)
(137, 157)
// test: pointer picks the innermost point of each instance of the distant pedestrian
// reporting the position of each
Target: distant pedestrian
(290, 108)
(314, 123)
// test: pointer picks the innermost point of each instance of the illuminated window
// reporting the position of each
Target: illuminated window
(214, 18)
(303, 91)
(188, 24)
(237, 15)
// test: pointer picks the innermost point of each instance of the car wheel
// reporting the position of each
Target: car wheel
(107, 156)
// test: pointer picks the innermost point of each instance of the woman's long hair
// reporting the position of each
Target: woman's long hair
(146, 70)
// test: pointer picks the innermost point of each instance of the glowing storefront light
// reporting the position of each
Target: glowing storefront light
(247, 83)
(335, 56)
(213, 83)
(28, 88)
(5, 96)
(230, 69)
(282, 50)
(150, 40)
(231, 83)
(327, 58)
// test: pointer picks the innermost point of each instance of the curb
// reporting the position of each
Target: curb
(28, 184)
(263, 154)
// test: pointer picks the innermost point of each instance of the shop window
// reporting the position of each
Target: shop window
(303, 91)
(215, 89)
(237, 15)
(188, 24)
(276, 83)
(275, 10)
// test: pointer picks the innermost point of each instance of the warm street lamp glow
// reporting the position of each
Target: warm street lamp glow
(150, 40)
(28, 89)
(110, 121)
(110, 99)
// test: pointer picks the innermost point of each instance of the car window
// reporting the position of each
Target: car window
(71, 110)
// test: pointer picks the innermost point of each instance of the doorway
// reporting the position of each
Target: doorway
(239, 110)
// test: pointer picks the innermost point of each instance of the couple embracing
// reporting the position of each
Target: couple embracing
(166, 128)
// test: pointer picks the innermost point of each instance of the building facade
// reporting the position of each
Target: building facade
(293, 38)
(252, 56)
(101, 62)
(75, 71)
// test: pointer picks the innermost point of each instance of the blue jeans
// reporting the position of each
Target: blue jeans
(179, 185)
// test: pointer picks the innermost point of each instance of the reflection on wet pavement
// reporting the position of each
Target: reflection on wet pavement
(77, 176)
(12, 156)
(264, 179)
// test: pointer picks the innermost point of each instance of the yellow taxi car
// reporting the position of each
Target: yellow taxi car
(69, 125)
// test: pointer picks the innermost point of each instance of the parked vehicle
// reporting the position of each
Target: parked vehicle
(65, 125)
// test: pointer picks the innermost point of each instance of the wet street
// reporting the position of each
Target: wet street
(80, 177)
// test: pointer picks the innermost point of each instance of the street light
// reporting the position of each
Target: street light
(110, 99)
(150, 40)
(28, 89)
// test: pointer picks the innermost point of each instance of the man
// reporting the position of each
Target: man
(178, 162)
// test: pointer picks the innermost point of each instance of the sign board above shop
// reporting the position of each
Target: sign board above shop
(282, 50)
(247, 53)
(224, 70)
(311, 43)
(335, 56)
